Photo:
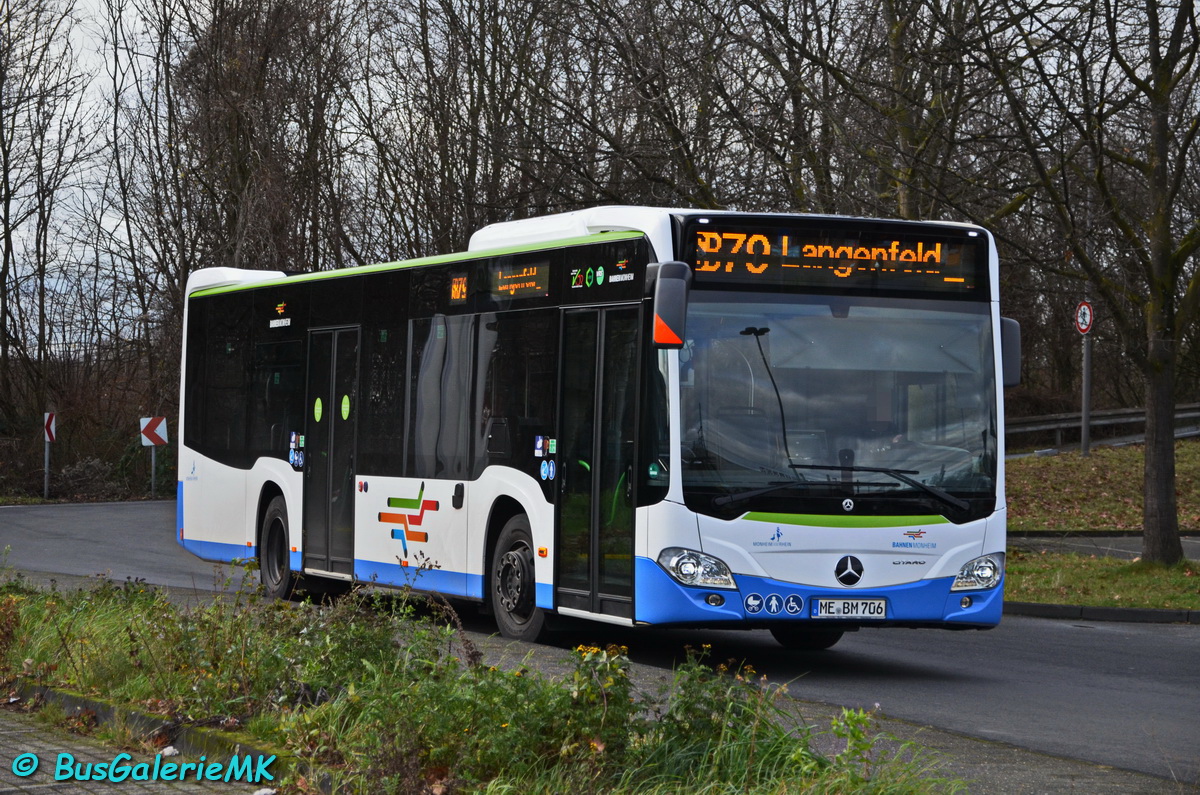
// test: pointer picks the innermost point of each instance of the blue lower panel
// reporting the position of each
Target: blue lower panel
(450, 583)
(218, 551)
(661, 600)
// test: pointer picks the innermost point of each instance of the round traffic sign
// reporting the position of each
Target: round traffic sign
(1084, 317)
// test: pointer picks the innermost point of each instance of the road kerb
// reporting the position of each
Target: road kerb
(1090, 613)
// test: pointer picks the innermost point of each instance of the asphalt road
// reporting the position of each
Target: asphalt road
(117, 540)
(1125, 695)
(1115, 694)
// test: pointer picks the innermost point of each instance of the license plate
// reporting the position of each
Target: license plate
(849, 608)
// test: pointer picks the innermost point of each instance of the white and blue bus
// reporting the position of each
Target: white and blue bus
(634, 415)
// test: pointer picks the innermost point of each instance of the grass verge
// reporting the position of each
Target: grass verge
(1057, 578)
(21, 499)
(1068, 493)
(390, 701)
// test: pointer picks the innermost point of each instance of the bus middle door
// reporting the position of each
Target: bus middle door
(599, 391)
(330, 446)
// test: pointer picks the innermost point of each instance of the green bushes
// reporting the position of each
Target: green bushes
(393, 701)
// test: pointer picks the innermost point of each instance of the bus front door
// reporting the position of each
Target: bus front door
(596, 458)
(329, 448)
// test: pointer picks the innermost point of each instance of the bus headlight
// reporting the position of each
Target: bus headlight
(695, 568)
(980, 574)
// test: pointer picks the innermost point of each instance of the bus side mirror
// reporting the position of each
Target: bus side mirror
(670, 304)
(1010, 351)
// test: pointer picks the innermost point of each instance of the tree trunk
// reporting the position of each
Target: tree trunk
(1160, 522)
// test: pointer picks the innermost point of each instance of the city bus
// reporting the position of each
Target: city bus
(639, 416)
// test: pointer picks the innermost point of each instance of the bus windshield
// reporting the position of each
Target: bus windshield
(796, 404)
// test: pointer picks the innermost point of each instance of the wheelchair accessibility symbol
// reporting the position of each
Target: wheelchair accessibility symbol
(793, 605)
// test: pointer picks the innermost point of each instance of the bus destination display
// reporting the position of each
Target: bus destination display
(869, 258)
(521, 281)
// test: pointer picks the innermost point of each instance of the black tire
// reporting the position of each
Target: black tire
(513, 584)
(804, 639)
(274, 567)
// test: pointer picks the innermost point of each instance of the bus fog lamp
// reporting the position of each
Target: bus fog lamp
(714, 600)
(690, 567)
(965, 602)
(980, 574)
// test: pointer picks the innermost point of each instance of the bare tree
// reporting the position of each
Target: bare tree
(44, 140)
(1105, 108)
(259, 96)
(447, 107)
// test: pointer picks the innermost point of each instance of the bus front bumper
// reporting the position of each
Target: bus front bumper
(761, 601)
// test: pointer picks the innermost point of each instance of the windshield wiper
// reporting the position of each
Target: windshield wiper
(901, 475)
(752, 493)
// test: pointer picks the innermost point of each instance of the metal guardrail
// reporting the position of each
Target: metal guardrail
(1059, 423)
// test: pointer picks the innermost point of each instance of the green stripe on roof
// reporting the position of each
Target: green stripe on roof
(461, 256)
(819, 520)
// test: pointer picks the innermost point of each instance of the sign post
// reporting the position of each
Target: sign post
(1084, 318)
(154, 433)
(50, 427)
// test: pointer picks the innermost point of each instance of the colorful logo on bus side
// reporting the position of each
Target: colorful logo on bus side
(913, 543)
(280, 322)
(408, 521)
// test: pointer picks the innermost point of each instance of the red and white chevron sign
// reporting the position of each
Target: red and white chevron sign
(154, 431)
(51, 427)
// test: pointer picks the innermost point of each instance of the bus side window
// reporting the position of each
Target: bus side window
(193, 397)
(383, 388)
(516, 386)
(227, 366)
(276, 395)
(656, 441)
(440, 444)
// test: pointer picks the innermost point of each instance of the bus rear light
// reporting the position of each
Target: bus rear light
(980, 574)
(690, 567)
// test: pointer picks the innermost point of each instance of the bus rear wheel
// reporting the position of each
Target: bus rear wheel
(274, 568)
(802, 639)
(513, 583)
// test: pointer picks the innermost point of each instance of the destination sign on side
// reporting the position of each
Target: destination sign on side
(521, 281)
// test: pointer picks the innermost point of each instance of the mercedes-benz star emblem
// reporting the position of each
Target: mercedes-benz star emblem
(848, 505)
(849, 570)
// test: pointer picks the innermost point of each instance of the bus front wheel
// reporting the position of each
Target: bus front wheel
(801, 639)
(274, 569)
(513, 584)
